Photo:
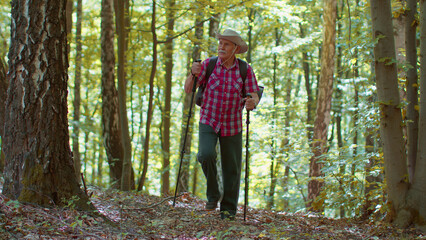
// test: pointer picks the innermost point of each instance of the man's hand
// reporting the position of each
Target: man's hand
(195, 71)
(251, 101)
(196, 68)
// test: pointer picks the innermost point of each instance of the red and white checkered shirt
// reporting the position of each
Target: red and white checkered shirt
(222, 101)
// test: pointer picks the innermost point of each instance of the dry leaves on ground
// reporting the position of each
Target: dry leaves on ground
(135, 216)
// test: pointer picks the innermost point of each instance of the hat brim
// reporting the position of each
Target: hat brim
(235, 39)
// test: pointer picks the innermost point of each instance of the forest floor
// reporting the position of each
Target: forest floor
(136, 216)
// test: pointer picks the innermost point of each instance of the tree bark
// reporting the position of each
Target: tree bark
(310, 103)
(77, 92)
(122, 29)
(196, 53)
(3, 95)
(39, 167)
(251, 15)
(411, 86)
(417, 194)
(390, 112)
(151, 98)
(168, 56)
(213, 29)
(272, 170)
(338, 103)
(69, 11)
(111, 130)
(325, 91)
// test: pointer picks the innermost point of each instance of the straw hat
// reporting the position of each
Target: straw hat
(234, 37)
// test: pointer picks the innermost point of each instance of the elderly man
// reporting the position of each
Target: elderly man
(221, 119)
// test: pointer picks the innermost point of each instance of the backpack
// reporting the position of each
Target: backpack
(209, 71)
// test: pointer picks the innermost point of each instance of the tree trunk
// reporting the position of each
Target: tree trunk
(122, 29)
(196, 52)
(338, 103)
(417, 196)
(39, 167)
(251, 13)
(372, 179)
(168, 56)
(325, 91)
(3, 95)
(390, 111)
(310, 103)
(77, 92)
(213, 29)
(272, 172)
(151, 98)
(355, 117)
(111, 130)
(411, 86)
(69, 10)
(99, 173)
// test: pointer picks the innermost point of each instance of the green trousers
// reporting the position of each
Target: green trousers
(231, 151)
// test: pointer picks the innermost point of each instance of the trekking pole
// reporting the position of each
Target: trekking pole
(246, 179)
(194, 87)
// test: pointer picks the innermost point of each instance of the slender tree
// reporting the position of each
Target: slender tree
(338, 100)
(411, 86)
(168, 55)
(196, 53)
(39, 167)
(122, 15)
(270, 201)
(310, 103)
(77, 91)
(325, 90)
(3, 94)
(111, 130)
(151, 97)
(417, 198)
(213, 29)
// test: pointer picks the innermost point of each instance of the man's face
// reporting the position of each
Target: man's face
(226, 49)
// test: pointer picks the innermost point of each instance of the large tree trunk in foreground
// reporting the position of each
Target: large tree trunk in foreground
(39, 167)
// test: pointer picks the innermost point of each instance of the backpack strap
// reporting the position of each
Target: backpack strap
(210, 67)
(243, 74)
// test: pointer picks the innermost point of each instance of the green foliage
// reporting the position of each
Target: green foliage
(277, 33)
(5, 10)
(71, 203)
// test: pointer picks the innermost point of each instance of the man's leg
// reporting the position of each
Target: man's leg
(207, 157)
(231, 153)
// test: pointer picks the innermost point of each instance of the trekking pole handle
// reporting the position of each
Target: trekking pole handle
(194, 87)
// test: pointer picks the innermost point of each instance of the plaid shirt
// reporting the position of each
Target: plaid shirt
(222, 101)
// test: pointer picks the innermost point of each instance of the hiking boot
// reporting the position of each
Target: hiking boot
(225, 215)
(210, 206)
